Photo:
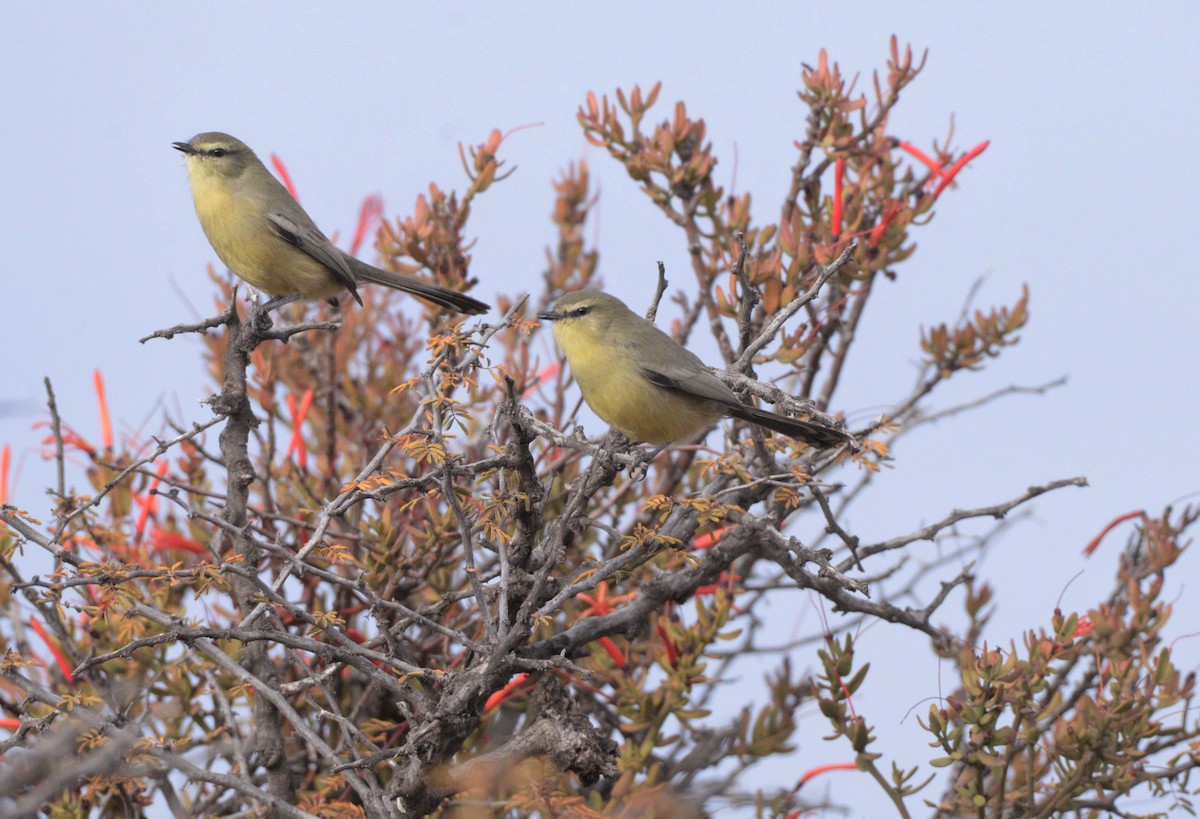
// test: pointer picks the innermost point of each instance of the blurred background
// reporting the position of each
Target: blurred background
(1083, 194)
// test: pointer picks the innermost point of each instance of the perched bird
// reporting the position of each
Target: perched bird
(263, 235)
(644, 383)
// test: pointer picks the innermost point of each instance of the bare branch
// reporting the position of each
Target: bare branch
(742, 364)
(652, 310)
(997, 511)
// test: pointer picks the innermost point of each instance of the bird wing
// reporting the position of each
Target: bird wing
(671, 366)
(315, 244)
(705, 384)
(698, 381)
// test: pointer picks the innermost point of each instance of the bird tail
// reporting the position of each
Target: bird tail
(814, 435)
(450, 299)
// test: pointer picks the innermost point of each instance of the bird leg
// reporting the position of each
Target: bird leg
(280, 301)
(260, 313)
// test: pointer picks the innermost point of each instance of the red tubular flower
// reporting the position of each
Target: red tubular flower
(500, 696)
(958, 166)
(889, 213)
(1083, 625)
(281, 169)
(820, 769)
(839, 175)
(921, 157)
(668, 646)
(600, 603)
(1094, 543)
(162, 540)
(72, 438)
(106, 433)
(298, 415)
(148, 502)
(725, 581)
(547, 372)
(516, 128)
(5, 457)
(614, 653)
(368, 216)
(59, 657)
(711, 539)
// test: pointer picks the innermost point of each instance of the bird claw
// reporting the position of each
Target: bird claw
(642, 458)
(639, 469)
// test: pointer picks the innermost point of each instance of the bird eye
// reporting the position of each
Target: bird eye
(217, 152)
(582, 311)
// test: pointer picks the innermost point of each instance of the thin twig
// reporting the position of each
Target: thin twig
(998, 510)
(833, 527)
(652, 310)
(750, 297)
(776, 324)
(56, 431)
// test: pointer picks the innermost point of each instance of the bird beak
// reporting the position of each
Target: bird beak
(549, 315)
(183, 146)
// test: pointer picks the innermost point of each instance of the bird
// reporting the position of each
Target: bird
(646, 384)
(262, 234)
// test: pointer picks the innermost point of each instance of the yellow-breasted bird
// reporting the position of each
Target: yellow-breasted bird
(644, 383)
(263, 235)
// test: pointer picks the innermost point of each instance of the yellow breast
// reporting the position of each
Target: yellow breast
(614, 387)
(245, 242)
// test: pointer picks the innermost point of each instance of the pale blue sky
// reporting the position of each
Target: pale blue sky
(1085, 193)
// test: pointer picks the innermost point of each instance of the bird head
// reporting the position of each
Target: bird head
(586, 314)
(216, 153)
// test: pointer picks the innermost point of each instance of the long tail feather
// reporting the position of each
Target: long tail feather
(812, 434)
(431, 292)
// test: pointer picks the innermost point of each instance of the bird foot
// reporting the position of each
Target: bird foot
(642, 458)
(260, 317)
(260, 314)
